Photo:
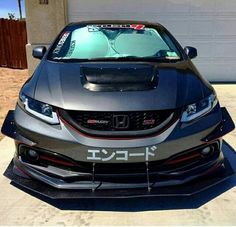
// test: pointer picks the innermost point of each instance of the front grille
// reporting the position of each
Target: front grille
(146, 122)
(106, 121)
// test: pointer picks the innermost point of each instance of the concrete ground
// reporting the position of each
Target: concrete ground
(216, 206)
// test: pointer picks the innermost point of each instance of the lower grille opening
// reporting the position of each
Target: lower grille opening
(121, 172)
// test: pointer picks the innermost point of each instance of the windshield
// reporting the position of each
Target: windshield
(108, 41)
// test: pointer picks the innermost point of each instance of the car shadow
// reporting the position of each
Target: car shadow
(147, 203)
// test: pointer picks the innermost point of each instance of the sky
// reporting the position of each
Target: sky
(11, 6)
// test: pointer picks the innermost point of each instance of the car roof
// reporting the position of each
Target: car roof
(146, 23)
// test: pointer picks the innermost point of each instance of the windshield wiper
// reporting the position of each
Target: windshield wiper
(70, 59)
(151, 58)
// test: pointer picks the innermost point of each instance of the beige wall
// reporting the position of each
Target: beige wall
(44, 22)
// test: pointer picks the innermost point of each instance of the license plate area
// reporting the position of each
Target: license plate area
(143, 154)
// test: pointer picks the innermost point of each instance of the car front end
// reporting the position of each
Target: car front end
(119, 127)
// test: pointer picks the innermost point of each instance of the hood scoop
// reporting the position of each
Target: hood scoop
(119, 78)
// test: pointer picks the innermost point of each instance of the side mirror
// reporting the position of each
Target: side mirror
(191, 52)
(39, 51)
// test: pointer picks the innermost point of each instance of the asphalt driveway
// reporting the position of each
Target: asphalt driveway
(216, 206)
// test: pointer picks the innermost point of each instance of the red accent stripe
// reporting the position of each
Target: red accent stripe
(51, 159)
(207, 142)
(174, 161)
(23, 171)
(214, 168)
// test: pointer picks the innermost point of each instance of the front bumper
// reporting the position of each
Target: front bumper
(201, 177)
(219, 175)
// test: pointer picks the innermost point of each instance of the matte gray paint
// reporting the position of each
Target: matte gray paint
(59, 84)
(67, 141)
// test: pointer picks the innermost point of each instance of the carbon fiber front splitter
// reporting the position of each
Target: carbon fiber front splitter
(188, 189)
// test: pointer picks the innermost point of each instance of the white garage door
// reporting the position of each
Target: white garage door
(208, 25)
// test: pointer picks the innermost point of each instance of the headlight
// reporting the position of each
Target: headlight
(199, 108)
(39, 109)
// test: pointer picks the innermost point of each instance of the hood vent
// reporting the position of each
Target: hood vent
(140, 78)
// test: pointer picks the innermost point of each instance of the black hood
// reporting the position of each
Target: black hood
(172, 85)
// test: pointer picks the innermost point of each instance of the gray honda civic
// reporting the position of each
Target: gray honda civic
(117, 109)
